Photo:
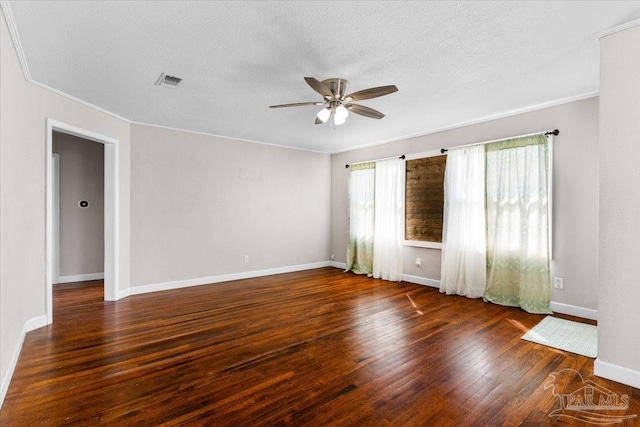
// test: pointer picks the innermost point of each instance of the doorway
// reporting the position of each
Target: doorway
(111, 213)
(78, 244)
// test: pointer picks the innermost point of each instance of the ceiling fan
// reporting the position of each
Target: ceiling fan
(338, 103)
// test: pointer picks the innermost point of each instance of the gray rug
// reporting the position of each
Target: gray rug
(565, 335)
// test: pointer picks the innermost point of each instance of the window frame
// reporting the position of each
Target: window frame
(420, 243)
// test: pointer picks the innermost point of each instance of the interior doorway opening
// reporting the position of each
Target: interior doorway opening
(111, 215)
(78, 209)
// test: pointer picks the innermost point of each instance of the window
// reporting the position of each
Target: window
(424, 199)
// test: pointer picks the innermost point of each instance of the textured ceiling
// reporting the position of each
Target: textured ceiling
(453, 62)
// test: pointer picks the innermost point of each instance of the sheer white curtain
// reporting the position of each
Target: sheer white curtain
(389, 220)
(518, 224)
(361, 218)
(463, 268)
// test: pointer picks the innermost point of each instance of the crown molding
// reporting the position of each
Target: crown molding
(11, 25)
(231, 138)
(78, 100)
(498, 116)
(17, 45)
(617, 28)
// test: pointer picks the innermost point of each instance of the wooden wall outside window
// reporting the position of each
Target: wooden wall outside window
(424, 199)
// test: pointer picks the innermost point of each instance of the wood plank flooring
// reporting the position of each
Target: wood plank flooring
(314, 348)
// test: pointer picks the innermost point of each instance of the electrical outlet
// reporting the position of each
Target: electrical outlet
(333, 256)
(418, 262)
(246, 259)
(558, 282)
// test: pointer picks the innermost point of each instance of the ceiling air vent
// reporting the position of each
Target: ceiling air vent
(166, 80)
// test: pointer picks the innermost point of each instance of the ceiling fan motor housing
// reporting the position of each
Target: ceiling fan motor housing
(339, 87)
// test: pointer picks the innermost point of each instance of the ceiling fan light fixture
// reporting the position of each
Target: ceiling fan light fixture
(324, 114)
(341, 111)
(338, 119)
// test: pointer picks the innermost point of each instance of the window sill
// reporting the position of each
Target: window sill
(419, 244)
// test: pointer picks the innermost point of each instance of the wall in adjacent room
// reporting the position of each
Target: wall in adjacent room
(200, 204)
(575, 192)
(81, 229)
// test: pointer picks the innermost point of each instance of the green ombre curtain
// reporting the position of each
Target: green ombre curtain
(361, 218)
(517, 215)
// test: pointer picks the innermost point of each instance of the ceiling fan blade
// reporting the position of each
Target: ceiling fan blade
(374, 92)
(297, 104)
(318, 121)
(319, 87)
(364, 111)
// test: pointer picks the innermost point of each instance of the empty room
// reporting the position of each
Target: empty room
(319, 213)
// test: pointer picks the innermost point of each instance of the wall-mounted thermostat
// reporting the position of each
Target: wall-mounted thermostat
(83, 204)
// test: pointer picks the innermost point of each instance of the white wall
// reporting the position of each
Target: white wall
(575, 192)
(81, 229)
(24, 108)
(619, 260)
(200, 203)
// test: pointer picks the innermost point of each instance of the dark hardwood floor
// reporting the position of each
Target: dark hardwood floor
(314, 348)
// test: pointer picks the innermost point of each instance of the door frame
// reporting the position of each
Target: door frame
(56, 218)
(111, 209)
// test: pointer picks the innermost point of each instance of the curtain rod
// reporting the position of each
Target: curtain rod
(376, 160)
(547, 133)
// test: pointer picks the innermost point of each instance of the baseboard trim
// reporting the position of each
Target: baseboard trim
(557, 307)
(336, 264)
(421, 281)
(405, 277)
(80, 278)
(29, 325)
(123, 293)
(574, 310)
(616, 373)
(144, 289)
